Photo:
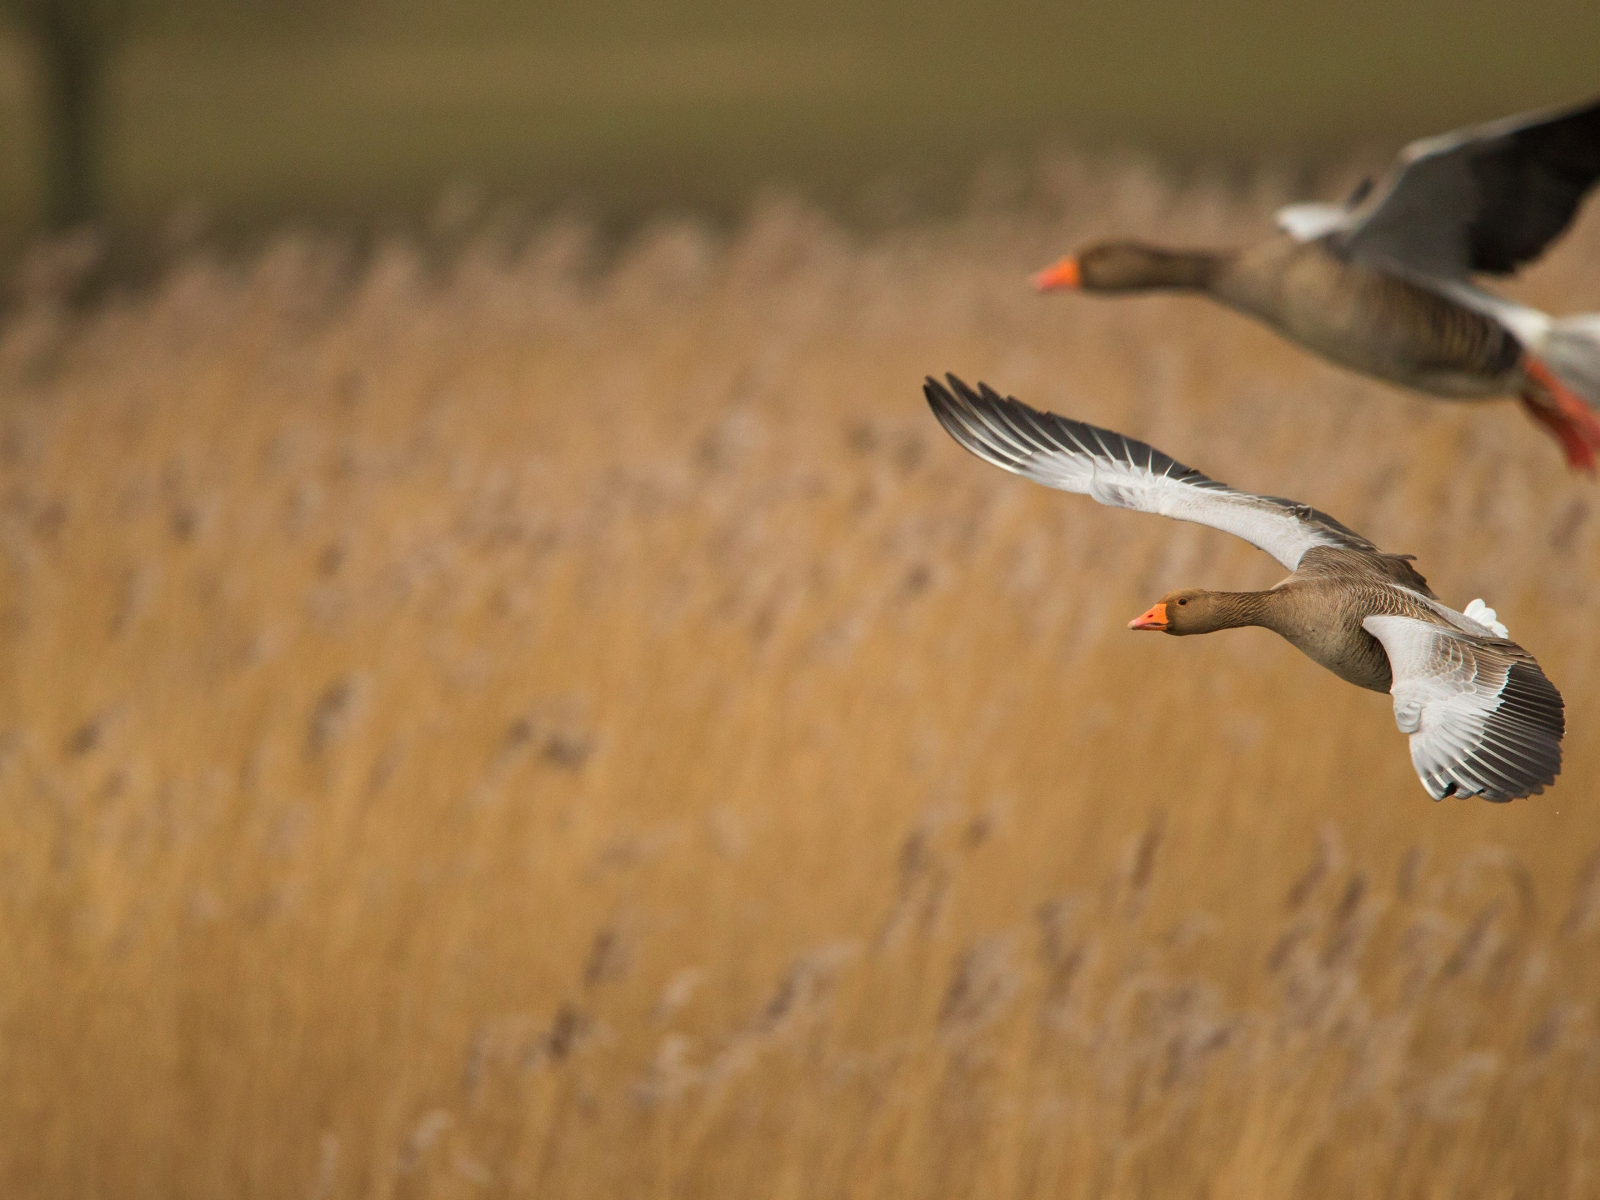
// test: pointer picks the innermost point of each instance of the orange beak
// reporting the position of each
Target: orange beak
(1155, 619)
(1064, 274)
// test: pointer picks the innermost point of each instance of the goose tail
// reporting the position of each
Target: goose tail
(1572, 352)
(1563, 392)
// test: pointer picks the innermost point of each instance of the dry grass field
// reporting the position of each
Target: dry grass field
(532, 721)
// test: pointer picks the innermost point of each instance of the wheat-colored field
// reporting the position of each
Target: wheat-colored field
(530, 722)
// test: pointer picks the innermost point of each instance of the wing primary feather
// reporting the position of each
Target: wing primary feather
(1123, 472)
(1487, 198)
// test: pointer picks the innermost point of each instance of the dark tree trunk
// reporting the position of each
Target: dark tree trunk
(72, 58)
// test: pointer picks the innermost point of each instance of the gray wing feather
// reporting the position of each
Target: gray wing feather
(1123, 473)
(1483, 719)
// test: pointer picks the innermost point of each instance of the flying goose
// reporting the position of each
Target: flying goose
(1483, 719)
(1382, 283)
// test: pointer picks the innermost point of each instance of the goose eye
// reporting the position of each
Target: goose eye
(1183, 602)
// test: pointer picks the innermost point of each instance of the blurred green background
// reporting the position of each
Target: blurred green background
(361, 110)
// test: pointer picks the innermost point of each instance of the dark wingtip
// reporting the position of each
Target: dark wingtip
(959, 386)
(947, 403)
(942, 398)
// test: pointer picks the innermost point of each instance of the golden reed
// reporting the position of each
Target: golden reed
(520, 724)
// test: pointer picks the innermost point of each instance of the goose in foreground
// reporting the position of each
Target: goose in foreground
(1483, 719)
(1382, 283)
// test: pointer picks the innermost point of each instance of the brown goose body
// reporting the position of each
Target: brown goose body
(1382, 283)
(1361, 317)
(1319, 610)
(1482, 718)
(1370, 320)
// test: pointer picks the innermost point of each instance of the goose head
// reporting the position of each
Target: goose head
(1193, 610)
(1127, 267)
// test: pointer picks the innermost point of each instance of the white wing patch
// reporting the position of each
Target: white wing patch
(1123, 473)
(1484, 615)
(1308, 222)
(1483, 719)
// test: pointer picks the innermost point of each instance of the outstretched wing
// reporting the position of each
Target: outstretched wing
(1483, 719)
(1123, 473)
(1487, 198)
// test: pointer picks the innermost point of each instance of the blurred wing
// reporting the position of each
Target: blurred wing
(1123, 473)
(1483, 719)
(1487, 198)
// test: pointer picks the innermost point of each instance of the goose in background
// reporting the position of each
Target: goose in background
(1483, 719)
(1383, 282)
